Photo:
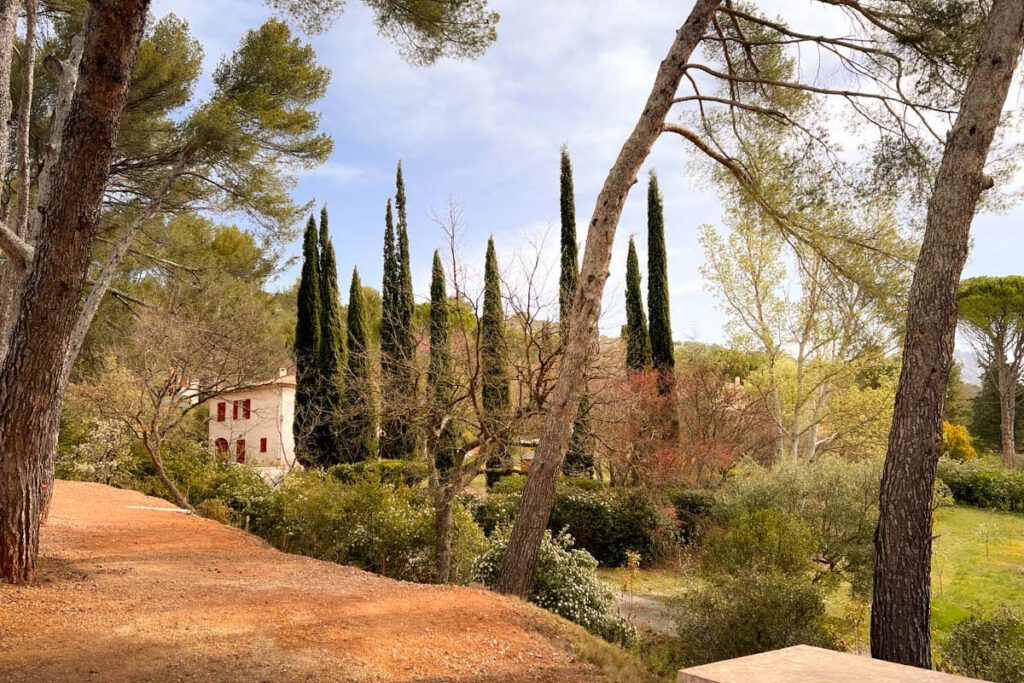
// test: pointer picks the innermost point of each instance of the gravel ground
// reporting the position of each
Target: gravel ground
(131, 590)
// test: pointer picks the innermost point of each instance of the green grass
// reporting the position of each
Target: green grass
(966, 575)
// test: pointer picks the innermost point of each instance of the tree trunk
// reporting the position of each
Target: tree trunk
(30, 396)
(1007, 382)
(517, 566)
(154, 455)
(900, 628)
(9, 271)
(443, 537)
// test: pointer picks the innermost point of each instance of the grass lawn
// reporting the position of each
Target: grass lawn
(965, 574)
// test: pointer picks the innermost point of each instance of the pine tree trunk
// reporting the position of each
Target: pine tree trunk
(9, 272)
(1007, 383)
(30, 395)
(153, 448)
(900, 626)
(517, 566)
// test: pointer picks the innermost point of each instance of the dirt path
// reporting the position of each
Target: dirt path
(132, 590)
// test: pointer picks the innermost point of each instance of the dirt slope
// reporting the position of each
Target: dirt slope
(133, 591)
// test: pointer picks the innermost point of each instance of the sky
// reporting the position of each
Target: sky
(487, 133)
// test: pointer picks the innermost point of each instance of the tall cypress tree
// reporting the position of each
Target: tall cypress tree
(579, 458)
(638, 340)
(360, 421)
(389, 343)
(662, 353)
(307, 349)
(332, 355)
(405, 440)
(495, 390)
(440, 382)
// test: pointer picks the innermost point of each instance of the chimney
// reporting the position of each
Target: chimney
(281, 372)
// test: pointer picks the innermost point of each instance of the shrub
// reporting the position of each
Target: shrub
(942, 495)
(511, 483)
(735, 616)
(394, 472)
(984, 482)
(493, 511)
(565, 583)
(692, 508)
(585, 483)
(990, 648)
(956, 443)
(763, 541)
(836, 498)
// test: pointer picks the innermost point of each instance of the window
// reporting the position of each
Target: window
(263, 445)
(222, 410)
(240, 451)
(246, 406)
(221, 445)
(234, 410)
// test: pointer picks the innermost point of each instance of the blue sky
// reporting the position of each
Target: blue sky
(488, 132)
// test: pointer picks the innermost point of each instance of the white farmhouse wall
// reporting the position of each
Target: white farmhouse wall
(272, 407)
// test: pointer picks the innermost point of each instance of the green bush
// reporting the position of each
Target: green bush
(565, 583)
(990, 648)
(983, 482)
(763, 541)
(693, 508)
(734, 616)
(394, 472)
(369, 524)
(836, 498)
(493, 511)
(510, 483)
(585, 483)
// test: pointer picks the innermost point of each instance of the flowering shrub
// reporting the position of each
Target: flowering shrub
(956, 443)
(565, 583)
(984, 482)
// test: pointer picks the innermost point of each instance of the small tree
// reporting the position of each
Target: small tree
(495, 385)
(638, 339)
(360, 421)
(662, 347)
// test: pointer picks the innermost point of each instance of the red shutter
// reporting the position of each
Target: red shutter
(246, 405)
(263, 445)
(221, 411)
(240, 451)
(234, 410)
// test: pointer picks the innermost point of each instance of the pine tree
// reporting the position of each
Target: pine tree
(307, 349)
(579, 459)
(332, 355)
(360, 421)
(495, 385)
(662, 352)
(638, 340)
(440, 382)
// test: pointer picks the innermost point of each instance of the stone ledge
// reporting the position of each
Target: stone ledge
(806, 664)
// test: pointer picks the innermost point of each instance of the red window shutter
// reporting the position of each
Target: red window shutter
(221, 411)
(246, 406)
(263, 445)
(240, 451)
(234, 410)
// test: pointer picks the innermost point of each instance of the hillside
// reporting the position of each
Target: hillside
(131, 589)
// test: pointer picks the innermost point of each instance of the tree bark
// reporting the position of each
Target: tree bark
(1007, 385)
(10, 270)
(900, 628)
(519, 562)
(30, 396)
(158, 463)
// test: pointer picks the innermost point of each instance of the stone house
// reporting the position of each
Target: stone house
(253, 424)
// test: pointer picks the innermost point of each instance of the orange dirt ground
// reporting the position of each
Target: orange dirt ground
(127, 593)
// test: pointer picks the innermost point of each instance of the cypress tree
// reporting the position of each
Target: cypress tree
(332, 354)
(569, 276)
(662, 353)
(440, 382)
(638, 341)
(405, 439)
(579, 459)
(389, 352)
(360, 423)
(495, 385)
(307, 349)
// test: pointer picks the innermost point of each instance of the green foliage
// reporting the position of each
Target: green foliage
(983, 482)
(638, 339)
(956, 443)
(579, 458)
(568, 279)
(378, 527)
(607, 523)
(327, 430)
(693, 509)
(566, 583)
(835, 498)
(986, 415)
(735, 616)
(393, 472)
(307, 348)
(422, 30)
(662, 348)
(440, 380)
(360, 424)
(495, 385)
(763, 541)
(989, 648)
